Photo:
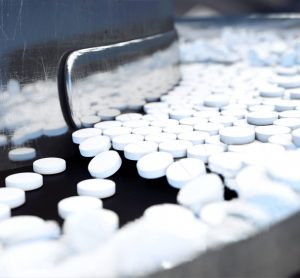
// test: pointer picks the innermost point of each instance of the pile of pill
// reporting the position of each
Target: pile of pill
(233, 122)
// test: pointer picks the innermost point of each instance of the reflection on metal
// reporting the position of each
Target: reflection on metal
(28, 113)
(34, 36)
(119, 77)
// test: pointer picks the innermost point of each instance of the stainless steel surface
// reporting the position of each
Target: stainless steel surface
(35, 37)
(119, 76)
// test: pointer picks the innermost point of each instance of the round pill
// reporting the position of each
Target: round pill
(260, 154)
(90, 120)
(261, 108)
(119, 142)
(292, 123)
(13, 197)
(156, 114)
(153, 117)
(164, 123)
(154, 165)
(135, 104)
(108, 124)
(220, 90)
(237, 135)
(286, 70)
(25, 181)
(137, 150)
(144, 131)
(296, 137)
(285, 105)
(129, 117)
(262, 117)
(236, 113)
(176, 129)
(108, 113)
(204, 151)
(216, 100)
(243, 122)
(263, 133)
(105, 164)
(177, 148)
(152, 96)
(159, 105)
(226, 164)
(235, 107)
(80, 135)
(200, 191)
(215, 140)
(271, 91)
(196, 137)
(193, 121)
(290, 114)
(207, 113)
(77, 204)
(49, 165)
(210, 128)
(178, 114)
(100, 188)
(184, 170)
(288, 82)
(22, 154)
(116, 131)
(284, 140)
(136, 123)
(224, 120)
(168, 211)
(4, 211)
(160, 137)
(94, 145)
(295, 94)
(119, 104)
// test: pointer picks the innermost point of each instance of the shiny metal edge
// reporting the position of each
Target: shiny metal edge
(143, 47)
